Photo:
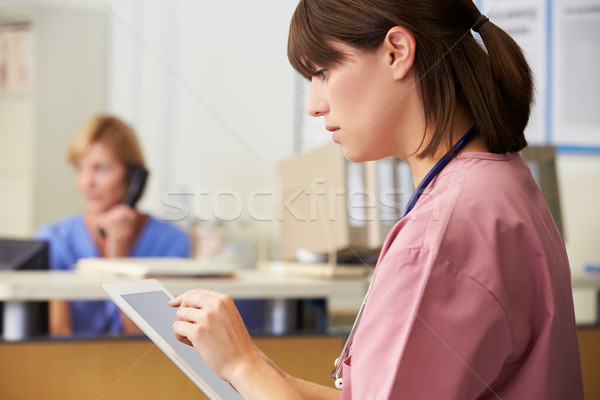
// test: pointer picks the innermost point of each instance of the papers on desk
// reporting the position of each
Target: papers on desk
(154, 267)
(328, 204)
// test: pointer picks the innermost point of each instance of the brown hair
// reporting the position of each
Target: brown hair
(494, 84)
(110, 130)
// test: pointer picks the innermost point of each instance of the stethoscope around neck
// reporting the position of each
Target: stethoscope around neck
(437, 168)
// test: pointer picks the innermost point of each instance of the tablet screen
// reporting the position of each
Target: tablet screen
(154, 308)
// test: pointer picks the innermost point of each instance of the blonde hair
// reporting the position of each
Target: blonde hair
(111, 131)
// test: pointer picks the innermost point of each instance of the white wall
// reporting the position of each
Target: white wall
(579, 185)
(70, 87)
(36, 124)
(209, 89)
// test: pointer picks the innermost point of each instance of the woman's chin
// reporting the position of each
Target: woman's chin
(354, 154)
(96, 208)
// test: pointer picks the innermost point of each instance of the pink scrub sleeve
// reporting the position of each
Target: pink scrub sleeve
(420, 310)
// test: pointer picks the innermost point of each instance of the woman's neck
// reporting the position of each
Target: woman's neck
(420, 167)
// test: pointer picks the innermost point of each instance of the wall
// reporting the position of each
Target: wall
(579, 180)
(70, 85)
(36, 124)
(210, 91)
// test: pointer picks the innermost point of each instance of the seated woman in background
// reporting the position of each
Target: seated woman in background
(103, 153)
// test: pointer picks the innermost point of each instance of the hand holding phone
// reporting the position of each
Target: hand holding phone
(121, 225)
(136, 179)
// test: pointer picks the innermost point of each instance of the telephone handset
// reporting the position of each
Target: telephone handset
(136, 180)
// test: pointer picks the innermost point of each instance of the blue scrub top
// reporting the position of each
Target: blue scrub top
(70, 240)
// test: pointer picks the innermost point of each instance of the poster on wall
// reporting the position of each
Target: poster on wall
(16, 59)
(526, 21)
(576, 77)
(559, 39)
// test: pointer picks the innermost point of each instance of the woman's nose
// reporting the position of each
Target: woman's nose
(86, 179)
(318, 104)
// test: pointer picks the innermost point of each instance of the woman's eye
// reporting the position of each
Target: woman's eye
(322, 73)
(103, 168)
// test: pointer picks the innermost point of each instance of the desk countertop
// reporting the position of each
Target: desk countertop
(583, 280)
(585, 297)
(67, 285)
(343, 294)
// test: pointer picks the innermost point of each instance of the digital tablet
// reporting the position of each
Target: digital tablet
(146, 303)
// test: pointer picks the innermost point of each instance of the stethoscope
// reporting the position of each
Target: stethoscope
(437, 168)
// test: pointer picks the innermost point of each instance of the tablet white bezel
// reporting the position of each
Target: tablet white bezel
(116, 290)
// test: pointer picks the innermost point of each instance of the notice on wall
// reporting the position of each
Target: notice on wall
(576, 77)
(526, 22)
(16, 59)
(560, 40)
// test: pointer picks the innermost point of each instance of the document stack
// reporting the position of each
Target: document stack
(329, 205)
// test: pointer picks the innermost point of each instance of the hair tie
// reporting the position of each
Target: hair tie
(482, 20)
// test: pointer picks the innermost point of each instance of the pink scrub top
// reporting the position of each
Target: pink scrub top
(471, 297)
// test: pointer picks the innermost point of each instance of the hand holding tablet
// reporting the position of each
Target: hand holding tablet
(146, 302)
(211, 323)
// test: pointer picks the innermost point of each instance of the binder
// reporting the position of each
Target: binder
(328, 204)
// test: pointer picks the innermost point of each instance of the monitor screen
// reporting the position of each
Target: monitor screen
(26, 255)
(542, 163)
(23, 254)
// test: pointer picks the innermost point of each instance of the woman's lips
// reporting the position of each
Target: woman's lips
(334, 130)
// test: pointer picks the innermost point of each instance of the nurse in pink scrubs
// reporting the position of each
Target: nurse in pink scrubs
(471, 297)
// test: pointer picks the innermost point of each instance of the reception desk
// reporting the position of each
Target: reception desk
(134, 368)
(341, 296)
(341, 293)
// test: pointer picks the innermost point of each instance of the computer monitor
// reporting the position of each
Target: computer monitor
(542, 163)
(23, 254)
(26, 255)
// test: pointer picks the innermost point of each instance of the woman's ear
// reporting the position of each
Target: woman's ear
(399, 45)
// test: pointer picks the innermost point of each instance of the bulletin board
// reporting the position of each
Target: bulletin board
(16, 59)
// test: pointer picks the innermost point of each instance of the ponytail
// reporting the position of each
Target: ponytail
(508, 81)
